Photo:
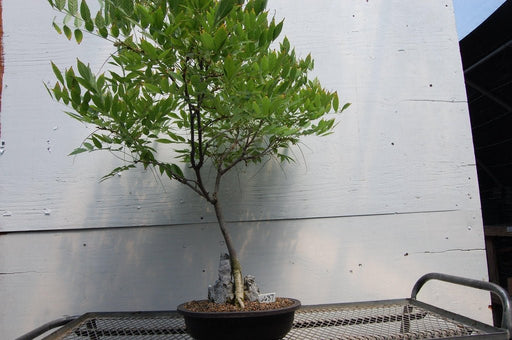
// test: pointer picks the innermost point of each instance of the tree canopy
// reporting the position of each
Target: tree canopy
(198, 75)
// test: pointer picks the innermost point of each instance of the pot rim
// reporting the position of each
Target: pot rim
(240, 314)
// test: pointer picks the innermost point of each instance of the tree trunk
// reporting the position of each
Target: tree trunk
(236, 268)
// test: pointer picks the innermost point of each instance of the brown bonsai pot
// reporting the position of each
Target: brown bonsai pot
(251, 325)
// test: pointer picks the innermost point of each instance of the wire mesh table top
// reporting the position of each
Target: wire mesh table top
(393, 319)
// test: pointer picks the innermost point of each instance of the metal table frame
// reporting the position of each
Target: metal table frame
(386, 319)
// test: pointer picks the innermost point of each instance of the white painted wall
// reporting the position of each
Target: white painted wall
(390, 196)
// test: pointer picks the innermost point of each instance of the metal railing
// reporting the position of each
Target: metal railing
(506, 320)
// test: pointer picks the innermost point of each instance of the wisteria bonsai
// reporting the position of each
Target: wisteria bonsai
(205, 78)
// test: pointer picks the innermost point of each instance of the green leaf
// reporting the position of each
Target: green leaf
(70, 77)
(145, 17)
(149, 49)
(220, 38)
(259, 6)
(263, 39)
(67, 32)
(125, 5)
(85, 13)
(117, 171)
(266, 105)
(207, 41)
(335, 102)
(104, 138)
(77, 151)
(285, 45)
(78, 35)
(223, 9)
(57, 73)
(56, 91)
(164, 141)
(229, 67)
(99, 20)
(177, 170)
(152, 88)
(57, 28)
(277, 30)
(308, 60)
(114, 30)
(67, 19)
(73, 6)
(89, 25)
(256, 108)
(96, 142)
(164, 84)
(264, 65)
(60, 4)
(78, 22)
(83, 69)
(75, 94)
(103, 32)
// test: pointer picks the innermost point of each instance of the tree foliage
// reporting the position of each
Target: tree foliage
(197, 75)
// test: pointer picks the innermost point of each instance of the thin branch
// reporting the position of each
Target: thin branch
(244, 157)
(200, 98)
(191, 115)
(194, 115)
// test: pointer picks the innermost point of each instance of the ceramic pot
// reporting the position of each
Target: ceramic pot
(253, 325)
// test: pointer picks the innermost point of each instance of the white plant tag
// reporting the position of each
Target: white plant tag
(267, 297)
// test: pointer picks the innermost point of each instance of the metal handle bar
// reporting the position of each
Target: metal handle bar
(46, 327)
(506, 320)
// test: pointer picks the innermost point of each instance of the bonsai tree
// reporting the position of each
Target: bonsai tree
(200, 77)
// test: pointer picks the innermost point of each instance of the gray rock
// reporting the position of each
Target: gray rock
(251, 290)
(222, 291)
(225, 268)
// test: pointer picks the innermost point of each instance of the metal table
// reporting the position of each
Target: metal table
(387, 319)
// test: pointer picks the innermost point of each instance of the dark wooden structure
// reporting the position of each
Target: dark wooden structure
(487, 60)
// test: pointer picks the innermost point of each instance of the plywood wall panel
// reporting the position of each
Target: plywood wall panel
(404, 145)
(47, 275)
(391, 195)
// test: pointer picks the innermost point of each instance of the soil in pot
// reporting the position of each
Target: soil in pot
(258, 321)
(250, 306)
